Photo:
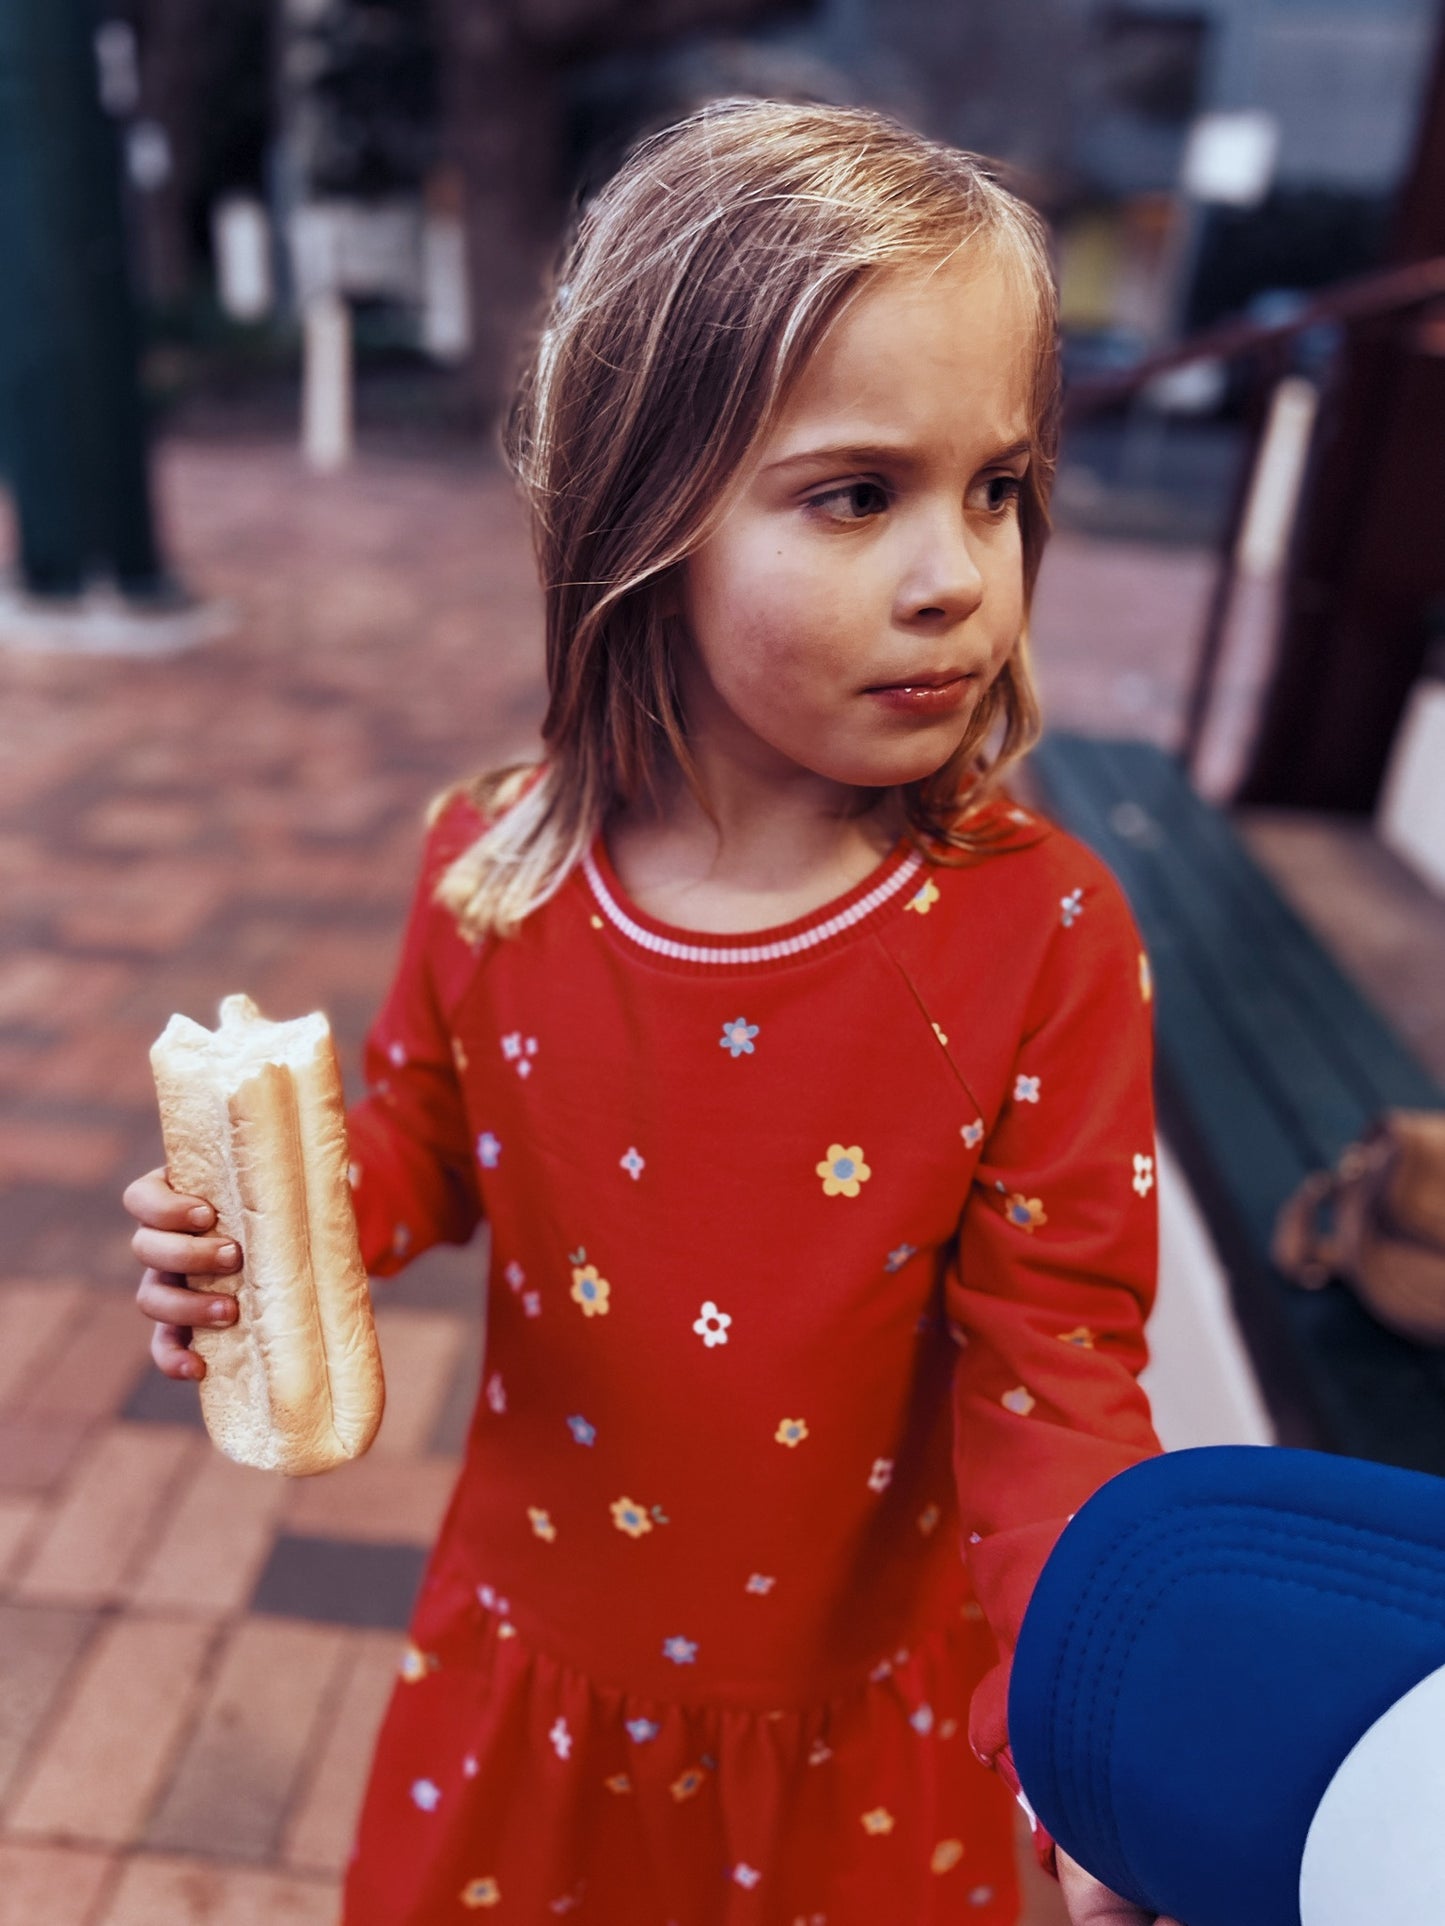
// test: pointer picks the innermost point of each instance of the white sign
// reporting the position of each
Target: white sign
(1229, 158)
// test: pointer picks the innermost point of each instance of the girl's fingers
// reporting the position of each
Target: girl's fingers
(150, 1200)
(170, 1348)
(188, 1256)
(166, 1298)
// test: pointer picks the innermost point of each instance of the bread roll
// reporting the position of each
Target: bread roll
(253, 1121)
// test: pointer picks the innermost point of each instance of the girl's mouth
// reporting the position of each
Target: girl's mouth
(927, 698)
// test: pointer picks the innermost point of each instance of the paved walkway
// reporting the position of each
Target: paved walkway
(196, 1655)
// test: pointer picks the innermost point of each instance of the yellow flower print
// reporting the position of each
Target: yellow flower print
(1146, 978)
(878, 1821)
(1025, 1212)
(687, 1784)
(619, 1782)
(923, 899)
(459, 1055)
(792, 1431)
(589, 1290)
(946, 1855)
(416, 1664)
(481, 1892)
(542, 1523)
(630, 1518)
(941, 1037)
(1081, 1336)
(843, 1170)
(928, 1519)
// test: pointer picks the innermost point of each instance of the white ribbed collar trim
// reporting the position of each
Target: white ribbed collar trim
(805, 939)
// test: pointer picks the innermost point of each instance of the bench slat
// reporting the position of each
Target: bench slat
(1269, 1062)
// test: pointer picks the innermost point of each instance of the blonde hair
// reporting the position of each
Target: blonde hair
(697, 284)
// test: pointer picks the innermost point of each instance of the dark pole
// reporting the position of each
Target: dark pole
(69, 345)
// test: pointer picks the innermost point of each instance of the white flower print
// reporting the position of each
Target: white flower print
(582, 1432)
(1071, 907)
(682, 1651)
(746, 1875)
(922, 1719)
(633, 1162)
(1143, 1174)
(425, 1795)
(1020, 1401)
(980, 1896)
(496, 1393)
(896, 1259)
(760, 1584)
(493, 1600)
(881, 1476)
(401, 1240)
(489, 1150)
(641, 1730)
(819, 1753)
(516, 1277)
(532, 1303)
(396, 1055)
(353, 1176)
(519, 1052)
(470, 1766)
(561, 1738)
(1026, 1089)
(712, 1325)
(737, 1038)
(972, 1134)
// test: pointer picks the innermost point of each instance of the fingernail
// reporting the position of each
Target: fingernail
(202, 1216)
(228, 1254)
(220, 1312)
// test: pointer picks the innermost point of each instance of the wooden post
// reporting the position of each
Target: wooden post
(1368, 556)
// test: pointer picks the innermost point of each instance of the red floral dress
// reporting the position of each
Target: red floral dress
(820, 1259)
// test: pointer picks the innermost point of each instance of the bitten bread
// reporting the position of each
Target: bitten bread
(253, 1121)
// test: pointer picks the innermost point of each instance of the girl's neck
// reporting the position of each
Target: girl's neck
(767, 853)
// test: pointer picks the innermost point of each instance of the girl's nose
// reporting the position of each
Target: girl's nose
(944, 582)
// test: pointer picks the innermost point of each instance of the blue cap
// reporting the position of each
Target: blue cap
(1215, 1634)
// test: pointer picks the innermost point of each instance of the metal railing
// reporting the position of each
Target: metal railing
(1384, 296)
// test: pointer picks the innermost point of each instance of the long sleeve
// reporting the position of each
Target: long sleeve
(413, 1171)
(1055, 1275)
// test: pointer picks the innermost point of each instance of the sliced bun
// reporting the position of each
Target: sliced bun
(253, 1121)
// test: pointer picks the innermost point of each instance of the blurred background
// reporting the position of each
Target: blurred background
(266, 271)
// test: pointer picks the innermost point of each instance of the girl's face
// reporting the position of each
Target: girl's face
(866, 583)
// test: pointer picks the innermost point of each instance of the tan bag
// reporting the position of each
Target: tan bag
(1377, 1223)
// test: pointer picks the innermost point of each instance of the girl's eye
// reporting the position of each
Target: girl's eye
(1001, 492)
(855, 503)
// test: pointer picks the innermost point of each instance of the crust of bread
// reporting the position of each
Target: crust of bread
(253, 1120)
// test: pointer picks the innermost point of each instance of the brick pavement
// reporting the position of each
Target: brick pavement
(197, 1655)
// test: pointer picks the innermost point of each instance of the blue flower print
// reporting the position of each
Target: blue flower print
(582, 1432)
(737, 1037)
(682, 1651)
(641, 1730)
(489, 1150)
(896, 1259)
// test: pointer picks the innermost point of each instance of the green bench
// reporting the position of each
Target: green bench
(1269, 1062)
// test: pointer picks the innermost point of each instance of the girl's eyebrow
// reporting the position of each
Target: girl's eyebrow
(862, 454)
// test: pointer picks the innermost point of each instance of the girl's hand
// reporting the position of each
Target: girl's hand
(1091, 1904)
(173, 1245)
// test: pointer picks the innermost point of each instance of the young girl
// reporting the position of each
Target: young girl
(802, 1079)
